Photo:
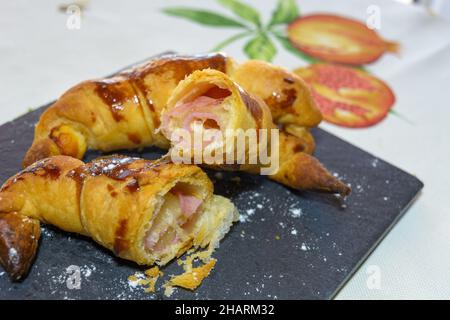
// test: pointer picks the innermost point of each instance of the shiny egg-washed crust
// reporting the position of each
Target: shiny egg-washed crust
(19, 236)
(287, 95)
(119, 112)
(111, 199)
(124, 111)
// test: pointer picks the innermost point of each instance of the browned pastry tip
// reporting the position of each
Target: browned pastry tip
(19, 237)
(304, 172)
(301, 171)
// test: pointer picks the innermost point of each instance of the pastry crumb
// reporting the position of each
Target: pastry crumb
(153, 272)
(192, 278)
(146, 280)
(168, 290)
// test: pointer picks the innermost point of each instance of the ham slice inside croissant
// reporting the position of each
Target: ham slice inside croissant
(175, 219)
(188, 203)
(205, 110)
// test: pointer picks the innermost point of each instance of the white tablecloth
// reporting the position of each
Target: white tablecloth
(40, 58)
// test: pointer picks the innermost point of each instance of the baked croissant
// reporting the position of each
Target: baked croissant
(144, 211)
(119, 112)
(124, 112)
(210, 100)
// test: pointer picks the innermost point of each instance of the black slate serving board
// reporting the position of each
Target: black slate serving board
(288, 245)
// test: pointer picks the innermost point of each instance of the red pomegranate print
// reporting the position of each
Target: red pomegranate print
(347, 96)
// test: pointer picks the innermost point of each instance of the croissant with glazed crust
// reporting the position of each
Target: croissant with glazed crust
(125, 112)
(119, 112)
(144, 211)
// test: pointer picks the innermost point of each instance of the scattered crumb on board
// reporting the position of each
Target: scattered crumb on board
(147, 279)
(191, 279)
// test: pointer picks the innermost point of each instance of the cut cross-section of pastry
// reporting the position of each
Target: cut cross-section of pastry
(144, 211)
(213, 112)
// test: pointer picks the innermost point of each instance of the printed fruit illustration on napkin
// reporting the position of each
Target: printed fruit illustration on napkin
(338, 39)
(347, 95)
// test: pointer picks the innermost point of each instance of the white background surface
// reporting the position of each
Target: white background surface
(40, 58)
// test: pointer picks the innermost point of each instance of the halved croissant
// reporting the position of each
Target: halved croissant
(144, 211)
(210, 100)
(124, 112)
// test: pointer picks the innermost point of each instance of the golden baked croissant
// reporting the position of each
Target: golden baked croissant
(119, 112)
(208, 99)
(144, 211)
(124, 112)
